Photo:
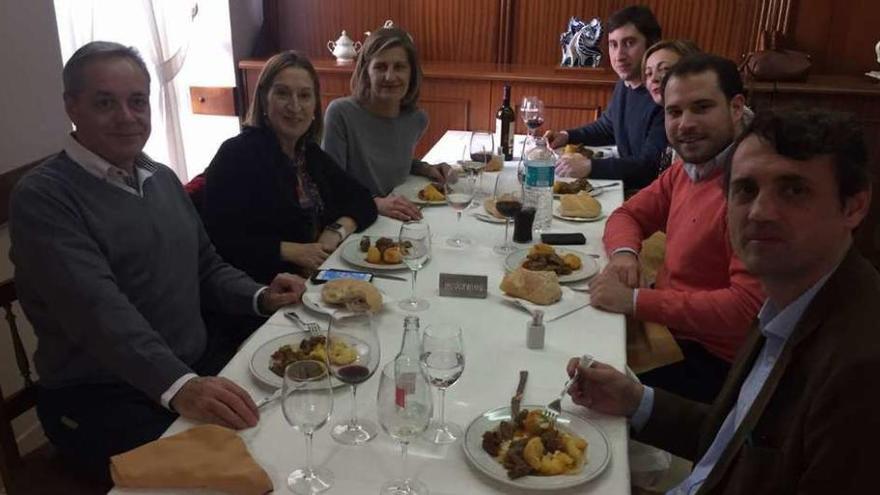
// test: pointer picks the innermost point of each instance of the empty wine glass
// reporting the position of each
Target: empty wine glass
(481, 148)
(508, 198)
(405, 408)
(532, 113)
(307, 401)
(459, 194)
(442, 360)
(415, 248)
(359, 334)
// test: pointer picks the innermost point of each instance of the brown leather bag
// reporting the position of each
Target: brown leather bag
(773, 63)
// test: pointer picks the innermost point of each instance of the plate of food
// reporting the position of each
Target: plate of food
(379, 253)
(570, 265)
(269, 360)
(491, 215)
(429, 196)
(580, 207)
(530, 452)
(567, 185)
(343, 298)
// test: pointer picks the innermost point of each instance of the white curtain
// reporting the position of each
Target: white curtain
(161, 31)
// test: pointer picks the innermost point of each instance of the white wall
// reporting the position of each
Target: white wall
(32, 125)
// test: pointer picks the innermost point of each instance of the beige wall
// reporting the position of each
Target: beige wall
(32, 125)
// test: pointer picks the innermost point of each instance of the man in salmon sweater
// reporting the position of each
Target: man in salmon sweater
(703, 293)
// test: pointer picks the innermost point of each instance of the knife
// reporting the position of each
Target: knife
(390, 277)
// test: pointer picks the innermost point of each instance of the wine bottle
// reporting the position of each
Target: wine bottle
(504, 119)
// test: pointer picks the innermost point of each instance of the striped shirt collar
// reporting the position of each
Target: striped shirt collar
(104, 170)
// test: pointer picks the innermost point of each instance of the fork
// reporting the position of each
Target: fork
(309, 326)
(552, 411)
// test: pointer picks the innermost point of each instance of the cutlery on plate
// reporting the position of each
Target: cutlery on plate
(516, 400)
(269, 398)
(389, 277)
(554, 408)
(308, 326)
(606, 186)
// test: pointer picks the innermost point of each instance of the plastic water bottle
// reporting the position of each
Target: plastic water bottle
(539, 171)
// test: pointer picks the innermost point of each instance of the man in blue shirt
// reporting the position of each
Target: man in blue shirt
(632, 120)
(798, 409)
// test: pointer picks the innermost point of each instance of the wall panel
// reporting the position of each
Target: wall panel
(454, 30)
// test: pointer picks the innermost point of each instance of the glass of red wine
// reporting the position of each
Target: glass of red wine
(508, 197)
(352, 357)
(532, 113)
(481, 148)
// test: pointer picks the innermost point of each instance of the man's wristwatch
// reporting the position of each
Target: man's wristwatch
(339, 229)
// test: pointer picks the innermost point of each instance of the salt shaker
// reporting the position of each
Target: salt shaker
(535, 331)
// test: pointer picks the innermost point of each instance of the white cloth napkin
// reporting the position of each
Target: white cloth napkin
(570, 302)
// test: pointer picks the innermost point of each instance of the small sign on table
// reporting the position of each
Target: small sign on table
(458, 285)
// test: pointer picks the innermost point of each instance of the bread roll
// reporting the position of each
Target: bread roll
(355, 295)
(495, 164)
(581, 205)
(537, 287)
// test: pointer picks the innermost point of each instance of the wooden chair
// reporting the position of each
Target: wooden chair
(41, 472)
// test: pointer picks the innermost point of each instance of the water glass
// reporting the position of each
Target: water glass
(442, 361)
(307, 401)
(415, 249)
(459, 194)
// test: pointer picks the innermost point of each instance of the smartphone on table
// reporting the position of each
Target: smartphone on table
(325, 275)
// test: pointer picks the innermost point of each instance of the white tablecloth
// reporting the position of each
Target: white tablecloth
(494, 335)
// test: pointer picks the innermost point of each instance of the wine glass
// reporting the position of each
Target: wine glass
(307, 401)
(405, 408)
(532, 113)
(508, 201)
(481, 148)
(359, 334)
(442, 360)
(459, 194)
(415, 248)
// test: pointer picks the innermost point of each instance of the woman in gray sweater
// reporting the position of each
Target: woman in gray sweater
(372, 134)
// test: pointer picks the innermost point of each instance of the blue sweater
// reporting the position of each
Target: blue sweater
(634, 123)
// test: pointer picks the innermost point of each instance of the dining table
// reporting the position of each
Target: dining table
(494, 335)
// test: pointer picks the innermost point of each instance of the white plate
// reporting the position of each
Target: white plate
(560, 216)
(593, 193)
(588, 268)
(598, 451)
(312, 300)
(351, 252)
(488, 218)
(261, 358)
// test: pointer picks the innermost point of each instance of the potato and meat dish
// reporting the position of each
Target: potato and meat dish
(313, 349)
(573, 187)
(532, 445)
(384, 251)
(542, 257)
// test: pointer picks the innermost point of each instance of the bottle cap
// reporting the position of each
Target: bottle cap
(538, 317)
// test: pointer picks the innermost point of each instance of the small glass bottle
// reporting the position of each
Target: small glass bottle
(406, 363)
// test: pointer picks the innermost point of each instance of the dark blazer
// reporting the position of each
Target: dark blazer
(251, 201)
(815, 426)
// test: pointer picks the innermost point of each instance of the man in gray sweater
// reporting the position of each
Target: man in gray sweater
(112, 266)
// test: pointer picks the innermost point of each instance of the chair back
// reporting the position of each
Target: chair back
(17, 403)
